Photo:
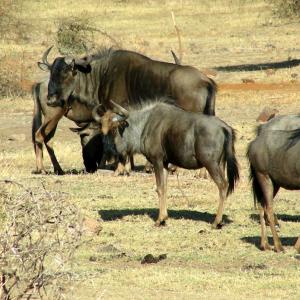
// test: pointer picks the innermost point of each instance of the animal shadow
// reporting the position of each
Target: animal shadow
(262, 66)
(115, 214)
(255, 240)
(281, 217)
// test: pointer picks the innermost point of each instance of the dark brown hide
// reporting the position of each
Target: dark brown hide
(274, 163)
(124, 76)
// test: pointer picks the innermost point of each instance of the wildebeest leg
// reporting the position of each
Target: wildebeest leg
(161, 176)
(297, 245)
(217, 175)
(131, 162)
(268, 192)
(264, 244)
(277, 225)
(121, 168)
(203, 173)
(48, 143)
(148, 167)
(44, 134)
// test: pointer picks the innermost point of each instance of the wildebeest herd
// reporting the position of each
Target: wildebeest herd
(126, 103)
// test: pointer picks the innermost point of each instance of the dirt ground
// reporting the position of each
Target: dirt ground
(200, 263)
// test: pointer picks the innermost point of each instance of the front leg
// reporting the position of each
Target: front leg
(297, 245)
(161, 175)
(44, 134)
(121, 168)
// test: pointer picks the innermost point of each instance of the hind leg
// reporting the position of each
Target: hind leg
(264, 244)
(297, 245)
(268, 193)
(217, 175)
(277, 225)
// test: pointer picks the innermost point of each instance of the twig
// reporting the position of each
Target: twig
(178, 37)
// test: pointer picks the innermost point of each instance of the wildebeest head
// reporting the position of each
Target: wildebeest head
(110, 120)
(62, 76)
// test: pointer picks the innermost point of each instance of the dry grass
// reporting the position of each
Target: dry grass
(201, 263)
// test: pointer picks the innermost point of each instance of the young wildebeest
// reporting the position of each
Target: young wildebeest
(125, 76)
(274, 163)
(167, 134)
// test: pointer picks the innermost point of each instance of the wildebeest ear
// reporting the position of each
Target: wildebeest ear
(43, 66)
(98, 112)
(118, 118)
(84, 69)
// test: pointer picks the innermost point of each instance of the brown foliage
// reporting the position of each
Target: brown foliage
(41, 231)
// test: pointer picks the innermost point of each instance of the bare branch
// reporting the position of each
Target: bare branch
(180, 50)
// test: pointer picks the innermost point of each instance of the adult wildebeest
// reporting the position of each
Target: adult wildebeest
(125, 76)
(288, 122)
(166, 134)
(274, 163)
(91, 140)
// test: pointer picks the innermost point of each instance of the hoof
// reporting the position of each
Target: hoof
(148, 170)
(278, 249)
(39, 172)
(59, 172)
(217, 225)
(159, 223)
(265, 247)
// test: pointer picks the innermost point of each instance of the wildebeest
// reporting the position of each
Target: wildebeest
(274, 163)
(166, 134)
(284, 122)
(125, 76)
(91, 140)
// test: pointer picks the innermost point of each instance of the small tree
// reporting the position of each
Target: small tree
(40, 232)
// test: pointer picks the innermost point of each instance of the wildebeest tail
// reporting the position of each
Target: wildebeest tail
(37, 112)
(211, 98)
(256, 188)
(231, 162)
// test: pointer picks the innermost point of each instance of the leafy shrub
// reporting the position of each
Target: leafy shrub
(74, 35)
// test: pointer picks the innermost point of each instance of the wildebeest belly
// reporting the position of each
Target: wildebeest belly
(285, 170)
(179, 149)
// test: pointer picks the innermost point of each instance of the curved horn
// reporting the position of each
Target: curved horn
(45, 55)
(120, 109)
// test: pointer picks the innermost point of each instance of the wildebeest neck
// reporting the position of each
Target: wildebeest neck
(133, 132)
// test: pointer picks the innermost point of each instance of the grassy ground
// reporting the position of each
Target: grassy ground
(201, 263)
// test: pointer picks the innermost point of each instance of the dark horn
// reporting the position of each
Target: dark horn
(120, 109)
(45, 55)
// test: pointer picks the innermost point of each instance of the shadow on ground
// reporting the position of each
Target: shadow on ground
(262, 66)
(114, 214)
(255, 240)
(281, 217)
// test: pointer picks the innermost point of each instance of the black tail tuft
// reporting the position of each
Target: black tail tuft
(231, 161)
(37, 112)
(256, 189)
(211, 98)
